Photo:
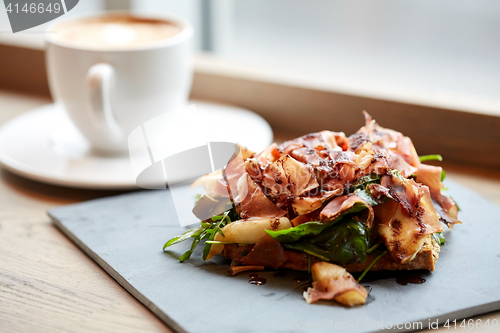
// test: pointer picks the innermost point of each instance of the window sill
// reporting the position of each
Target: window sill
(220, 66)
(464, 129)
(217, 65)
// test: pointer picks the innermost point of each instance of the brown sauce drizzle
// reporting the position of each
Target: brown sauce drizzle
(402, 277)
(257, 281)
(414, 279)
(302, 278)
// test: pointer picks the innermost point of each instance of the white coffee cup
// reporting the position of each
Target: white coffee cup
(109, 88)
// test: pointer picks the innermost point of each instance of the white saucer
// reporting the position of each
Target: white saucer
(43, 145)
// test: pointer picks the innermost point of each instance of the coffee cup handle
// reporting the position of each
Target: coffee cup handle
(100, 81)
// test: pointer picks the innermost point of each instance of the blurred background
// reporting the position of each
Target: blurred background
(429, 68)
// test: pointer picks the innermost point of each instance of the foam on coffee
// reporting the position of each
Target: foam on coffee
(115, 32)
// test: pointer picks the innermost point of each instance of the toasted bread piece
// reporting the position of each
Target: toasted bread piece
(425, 259)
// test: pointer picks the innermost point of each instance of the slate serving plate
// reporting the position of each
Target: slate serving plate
(125, 235)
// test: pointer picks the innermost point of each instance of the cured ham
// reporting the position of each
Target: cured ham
(305, 204)
(431, 176)
(269, 155)
(247, 195)
(289, 177)
(250, 200)
(326, 199)
(214, 184)
(388, 139)
(324, 140)
(267, 252)
(341, 204)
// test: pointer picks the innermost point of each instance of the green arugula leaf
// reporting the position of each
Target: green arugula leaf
(439, 238)
(434, 157)
(206, 230)
(370, 266)
(443, 175)
(189, 252)
(343, 243)
(314, 228)
(223, 220)
(373, 248)
(188, 234)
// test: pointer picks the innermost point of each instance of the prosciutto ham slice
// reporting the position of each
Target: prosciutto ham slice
(248, 197)
(447, 210)
(431, 176)
(254, 168)
(310, 179)
(288, 177)
(213, 183)
(324, 140)
(308, 203)
(398, 162)
(340, 205)
(269, 155)
(334, 282)
(388, 139)
(250, 200)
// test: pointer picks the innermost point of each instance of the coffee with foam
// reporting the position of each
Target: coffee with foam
(118, 32)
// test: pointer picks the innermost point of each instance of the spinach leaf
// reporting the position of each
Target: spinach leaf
(362, 182)
(366, 196)
(291, 235)
(343, 243)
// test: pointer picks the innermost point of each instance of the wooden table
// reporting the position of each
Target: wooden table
(48, 285)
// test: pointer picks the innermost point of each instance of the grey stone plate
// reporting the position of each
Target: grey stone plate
(125, 235)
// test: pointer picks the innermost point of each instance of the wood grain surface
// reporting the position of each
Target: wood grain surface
(48, 285)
